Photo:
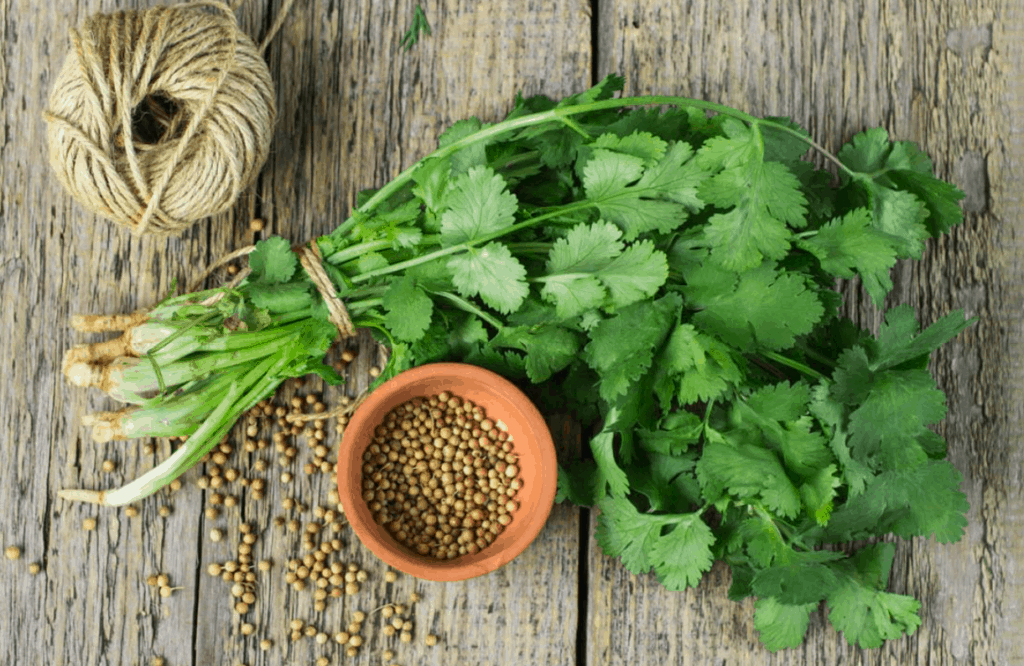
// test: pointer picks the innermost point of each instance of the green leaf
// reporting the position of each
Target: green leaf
(408, 309)
(282, 297)
(865, 614)
(760, 307)
(683, 555)
(764, 197)
(612, 476)
(478, 205)
(548, 348)
(781, 625)
(780, 402)
(622, 347)
(694, 367)
(473, 155)
(588, 266)
(624, 532)
(736, 146)
(493, 273)
(745, 471)
(850, 246)
(898, 407)
(819, 494)
(636, 201)
(899, 340)
(272, 262)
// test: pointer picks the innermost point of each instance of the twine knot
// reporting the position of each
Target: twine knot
(161, 117)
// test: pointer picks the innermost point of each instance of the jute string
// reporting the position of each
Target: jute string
(161, 117)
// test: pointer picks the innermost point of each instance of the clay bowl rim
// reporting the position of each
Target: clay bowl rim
(536, 498)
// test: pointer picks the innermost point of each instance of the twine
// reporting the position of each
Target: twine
(161, 117)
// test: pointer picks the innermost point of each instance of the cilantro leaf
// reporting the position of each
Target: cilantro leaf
(737, 145)
(865, 614)
(548, 348)
(760, 307)
(907, 201)
(849, 246)
(679, 556)
(780, 402)
(683, 555)
(899, 340)
(408, 309)
(473, 155)
(764, 198)
(746, 470)
(493, 273)
(272, 262)
(694, 367)
(898, 407)
(283, 297)
(624, 532)
(622, 347)
(589, 265)
(782, 625)
(639, 201)
(479, 205)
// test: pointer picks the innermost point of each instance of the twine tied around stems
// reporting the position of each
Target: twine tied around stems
(161, 117)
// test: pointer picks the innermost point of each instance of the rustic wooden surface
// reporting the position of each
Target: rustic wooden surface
(354, 110)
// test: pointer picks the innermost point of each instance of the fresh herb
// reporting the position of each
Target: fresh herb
(417, 27)
(666, 274)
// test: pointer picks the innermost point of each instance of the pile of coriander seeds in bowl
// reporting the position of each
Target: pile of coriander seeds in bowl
(441, 476)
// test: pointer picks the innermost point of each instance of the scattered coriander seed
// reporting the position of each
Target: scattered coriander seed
(405, 637)
(214, 569)
(389, 630)
(351, 651)
(323, 661)
(89, 524)
(355, 641)
(296, 624)
(321, 638)
(12, 552)
(216, 534)
(166, 591)
(247, 629)
(158, 661)
(163, 580)
(164, 511)
(351, 588)
(414, 597)
(109, 466)
(266, 644)
(342, 637)
(431, 640)
(264, 565)
(175, 485)
(131, 511)
(390, 576)
(388, 655)
(358, 616)
(387, 611)
(35, 568)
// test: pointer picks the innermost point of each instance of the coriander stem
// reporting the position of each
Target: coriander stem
(466, 306)
(355, 251)
(796, 365)
(558, 114)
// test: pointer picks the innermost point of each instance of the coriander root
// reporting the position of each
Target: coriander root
(441, 477)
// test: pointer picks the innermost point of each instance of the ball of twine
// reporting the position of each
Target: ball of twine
(161, 117)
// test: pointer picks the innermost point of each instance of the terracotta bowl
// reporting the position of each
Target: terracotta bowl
(500, 399)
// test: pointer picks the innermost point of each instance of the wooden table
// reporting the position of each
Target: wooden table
(354, 110)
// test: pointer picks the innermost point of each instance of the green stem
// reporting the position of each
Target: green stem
(796, 365)
(466, 306)
(813, 144)
(560, 114)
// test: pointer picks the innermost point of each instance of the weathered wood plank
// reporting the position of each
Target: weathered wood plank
(944, 75)
(353, 111)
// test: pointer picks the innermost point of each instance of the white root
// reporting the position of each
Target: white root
(82, 495)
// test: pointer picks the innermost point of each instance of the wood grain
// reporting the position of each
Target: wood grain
(354, 110)
(943, 75)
